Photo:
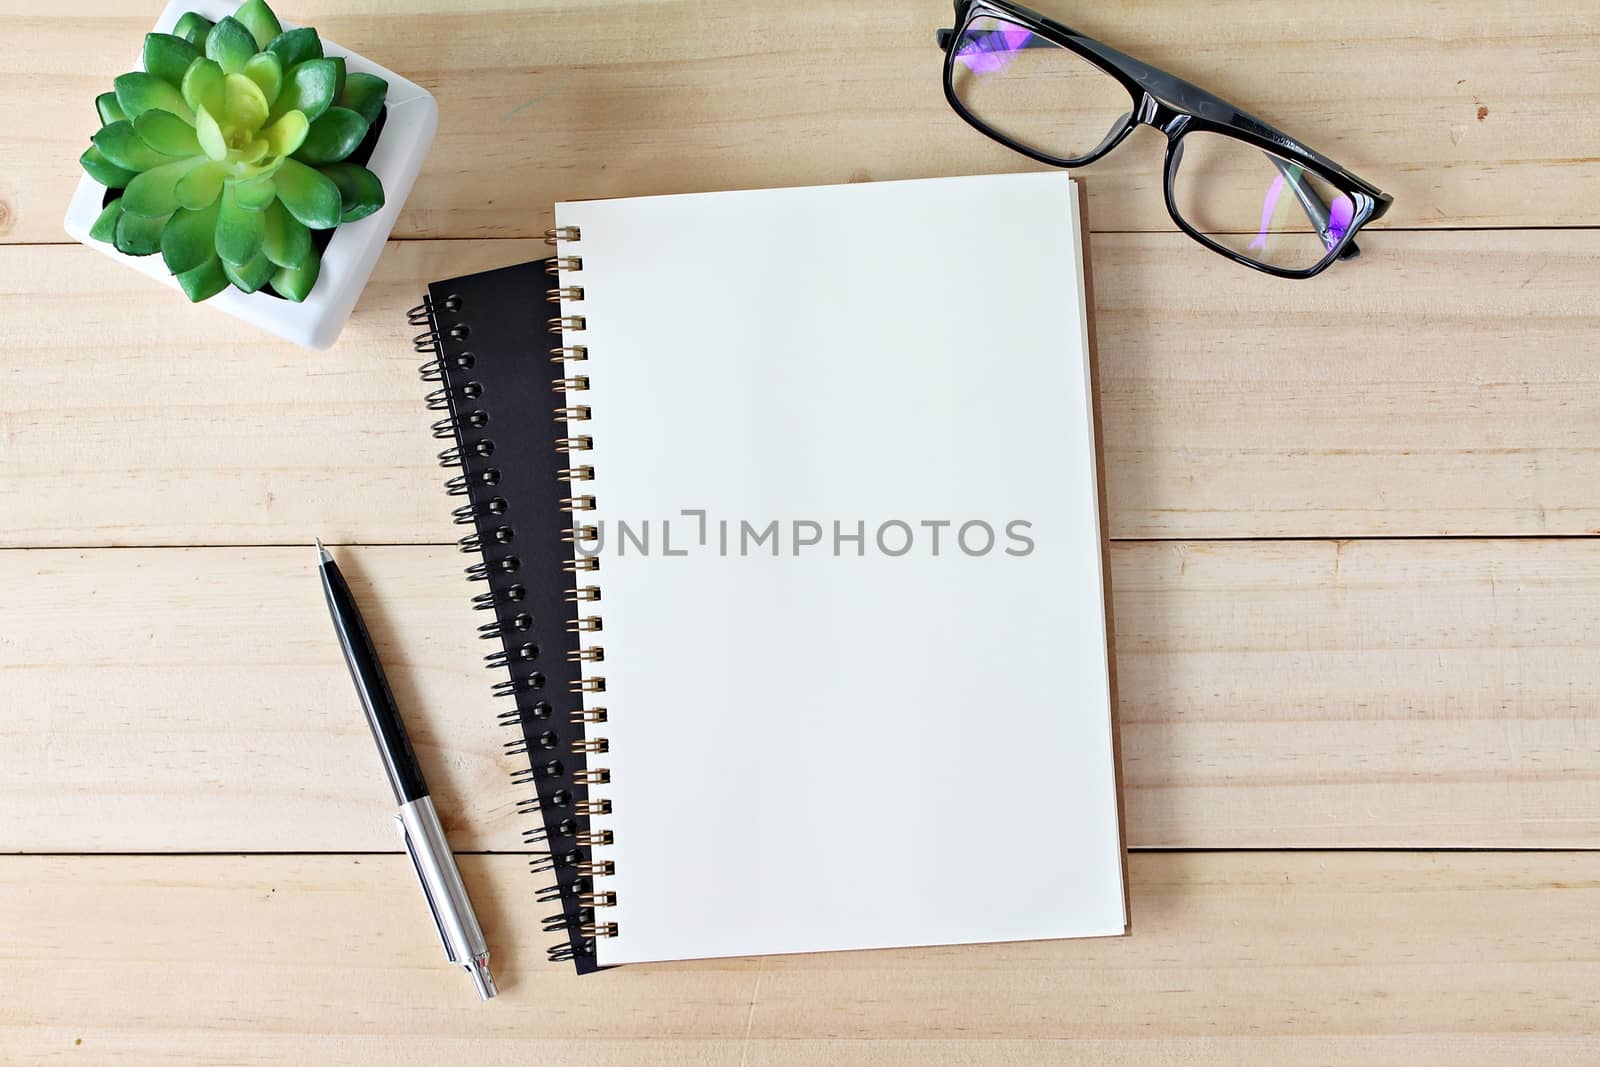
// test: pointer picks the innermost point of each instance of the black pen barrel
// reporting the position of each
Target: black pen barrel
(405, 776)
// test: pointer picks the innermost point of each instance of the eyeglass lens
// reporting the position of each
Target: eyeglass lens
(1257, 204)
(1035, 92)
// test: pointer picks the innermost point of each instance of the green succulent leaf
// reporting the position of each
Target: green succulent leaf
(204, 281)
(296, 46)
(102, 170)
(286, 241)
(200, 187)
(360, 191)
(110, 111)
(244, 106)
(138, 92)
(105, 227)
(285, 136)
(308, 88)
(210, 136)
(230, 45)
(167, 57)
(258, 18)
(240, 231)
(166, 133)
(193, 27)
(294, 283)
(203, 86)
(252, 275)
(364, 94)
(310, 197)
(154, 194)
(120, 144)
(266, 70)
(244, 172)
(332, 137)
(244, 162)
(338, 75)
(189, 238)
(137, 235)
(257, 193)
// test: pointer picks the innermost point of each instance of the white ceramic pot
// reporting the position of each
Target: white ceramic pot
(351, 255)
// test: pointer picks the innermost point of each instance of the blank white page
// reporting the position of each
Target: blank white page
(812, 751)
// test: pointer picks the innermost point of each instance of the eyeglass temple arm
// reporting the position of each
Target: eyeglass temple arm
(1310, 202)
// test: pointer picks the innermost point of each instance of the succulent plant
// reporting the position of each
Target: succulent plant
(229, 148)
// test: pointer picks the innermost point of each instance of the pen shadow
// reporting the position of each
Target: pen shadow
(488, 878)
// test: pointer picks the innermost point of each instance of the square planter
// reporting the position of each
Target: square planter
(348, 261)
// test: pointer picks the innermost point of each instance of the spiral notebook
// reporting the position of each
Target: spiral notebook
(788, 532)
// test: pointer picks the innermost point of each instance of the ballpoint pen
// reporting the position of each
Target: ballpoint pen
(419, 825)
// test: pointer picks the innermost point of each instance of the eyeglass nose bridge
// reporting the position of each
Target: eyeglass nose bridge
(1161, 116)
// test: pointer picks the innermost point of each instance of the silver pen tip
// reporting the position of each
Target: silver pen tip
(478, 967)
(322, 553)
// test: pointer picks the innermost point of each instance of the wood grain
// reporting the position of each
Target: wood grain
(1482, 115)
(1443, 385)
(138, 419)
(1296, 694)
(1246, 407)
(1236, 959)
(1359, 693)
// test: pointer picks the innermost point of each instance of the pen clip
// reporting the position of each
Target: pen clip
(433, 909)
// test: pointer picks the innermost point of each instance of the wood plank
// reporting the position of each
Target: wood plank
(1445, 385)
(1369, 693)
(1480, 116)
(1235, 959)
(1442, 385)
(1314, 694)
(195, 701)
(138, 419)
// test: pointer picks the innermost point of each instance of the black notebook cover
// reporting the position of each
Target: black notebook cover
(494, 357)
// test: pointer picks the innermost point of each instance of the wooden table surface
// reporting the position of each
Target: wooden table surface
(1357, 585)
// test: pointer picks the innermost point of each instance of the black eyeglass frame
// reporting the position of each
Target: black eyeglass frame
(1174, 107)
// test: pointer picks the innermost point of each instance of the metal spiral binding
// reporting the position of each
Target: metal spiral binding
(462, 484)
(427, 343)
(510, 595)
(500, 657)
(473, 543)
(566, 951)
(446, 428)
(580, 886)
(572, 356)
(565, 839)
(453, 456)
(480, 571)
(467, 514)
(565, 828)
(533, 805)
(422, 314)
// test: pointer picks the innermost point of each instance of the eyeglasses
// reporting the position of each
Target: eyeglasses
(1064, 99)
